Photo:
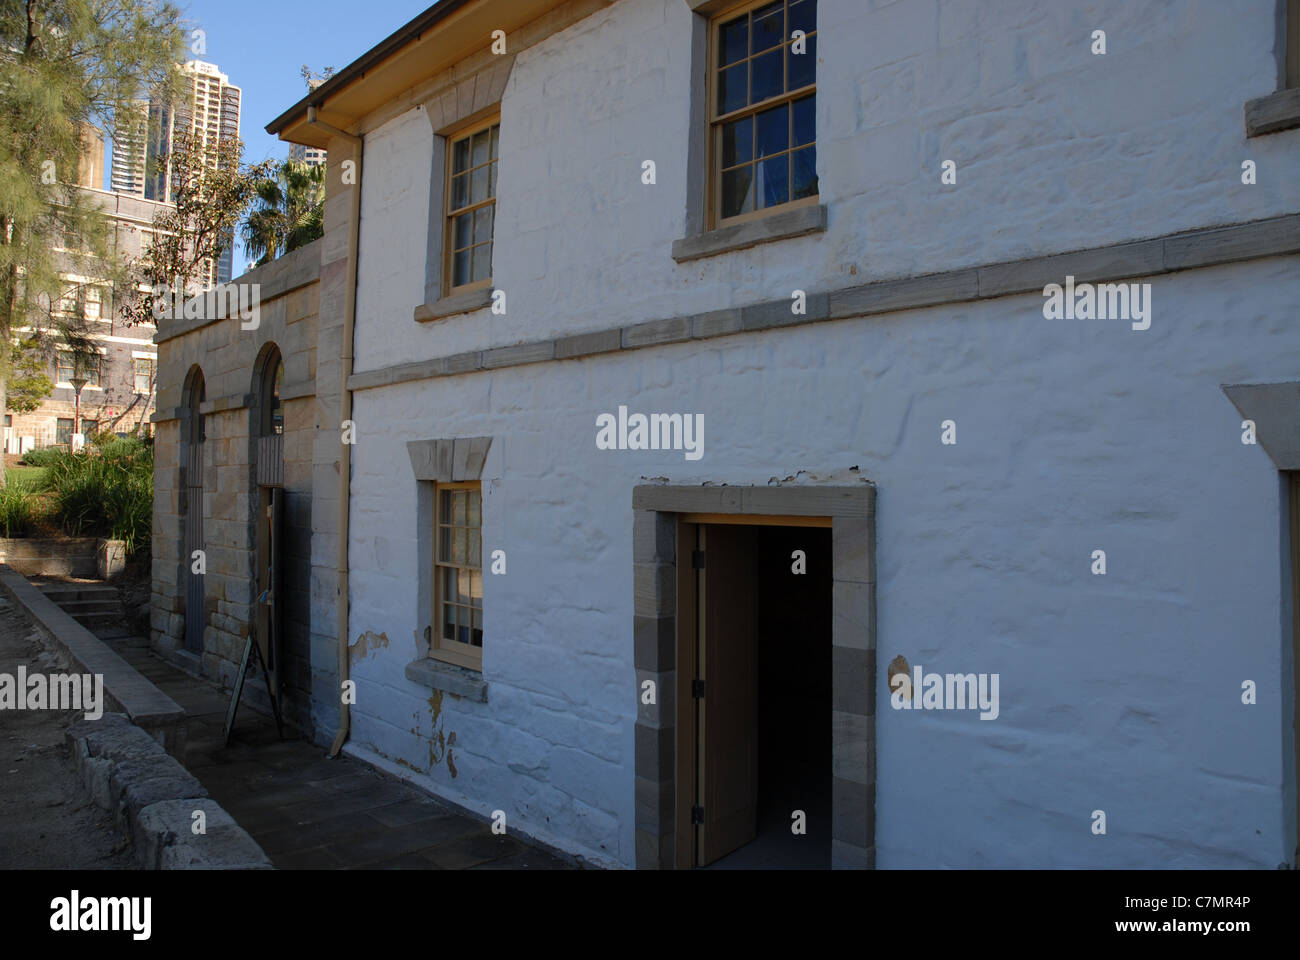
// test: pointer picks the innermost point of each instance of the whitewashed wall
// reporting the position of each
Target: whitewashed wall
(1056, 150)
(1120, 692)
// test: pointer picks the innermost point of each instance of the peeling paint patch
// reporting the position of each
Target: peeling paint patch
(896, 666)
(366, 644)
(440, 744)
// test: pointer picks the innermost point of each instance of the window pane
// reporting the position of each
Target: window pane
(458, 508)
(460, 270)
(803, 15)
(478, 191)
(459, 191)
(482, 261)
(805, 120)
(737, 191)
(444, 543)
(476, 585)
(461, 231)
(774, 180)
(460, 156)
(475, 508)
(805, 173)
(769, 24)
(733, 40)
(475, 549)
(492, 179)
(773, 131)
(731, 87)
(496, 141)
(477, 638)
(738, 141)
(483, 224)
(479, 149)
(449, 594)
(803, 66)
(767, 78)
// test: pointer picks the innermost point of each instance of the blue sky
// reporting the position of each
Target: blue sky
(262, 44)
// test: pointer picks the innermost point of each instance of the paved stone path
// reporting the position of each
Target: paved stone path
(307, 811)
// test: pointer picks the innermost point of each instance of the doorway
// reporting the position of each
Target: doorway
(755, 731)
(268, 453)
(1293, 488)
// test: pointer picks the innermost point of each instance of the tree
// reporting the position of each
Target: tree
(29, 384)
(211, 189)
(64, 65)
(313, 79)
(290, 211)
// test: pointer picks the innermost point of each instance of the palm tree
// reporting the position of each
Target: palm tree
(289, 211)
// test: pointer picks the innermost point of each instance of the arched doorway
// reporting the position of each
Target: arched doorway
(194, 562)
(269, 456)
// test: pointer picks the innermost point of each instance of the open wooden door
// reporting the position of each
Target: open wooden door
(727, 649)
(270, 615)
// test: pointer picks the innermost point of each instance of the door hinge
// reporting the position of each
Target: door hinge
(697, 559)
(697, 688)
(697, 814)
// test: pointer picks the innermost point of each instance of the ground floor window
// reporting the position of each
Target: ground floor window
(63, 430)
(457, 634)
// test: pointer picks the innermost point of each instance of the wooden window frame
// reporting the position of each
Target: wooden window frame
(60, 366)
(149, 375)
(713, 199)
(453, 136)
(80, 365)
(452, 652)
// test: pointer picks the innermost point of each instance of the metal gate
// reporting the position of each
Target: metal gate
(194, 616)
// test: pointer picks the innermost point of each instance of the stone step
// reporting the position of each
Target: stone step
(90, 606)
(92, 621)
(59, 592)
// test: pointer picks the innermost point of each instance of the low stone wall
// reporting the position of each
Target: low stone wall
(166, 812)
(84, 557)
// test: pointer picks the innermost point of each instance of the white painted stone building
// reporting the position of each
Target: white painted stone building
(828, 429)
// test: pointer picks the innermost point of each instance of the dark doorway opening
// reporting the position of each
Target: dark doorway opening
(760, 609)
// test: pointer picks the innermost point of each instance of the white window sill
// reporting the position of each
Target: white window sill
(781, 225)
(438, 675)
(1277, 111)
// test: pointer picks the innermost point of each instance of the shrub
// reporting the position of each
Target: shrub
(16, 510)
(42, 457)
(105, 490)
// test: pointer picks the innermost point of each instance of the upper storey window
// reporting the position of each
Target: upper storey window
(763, 96)
(471, 206)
